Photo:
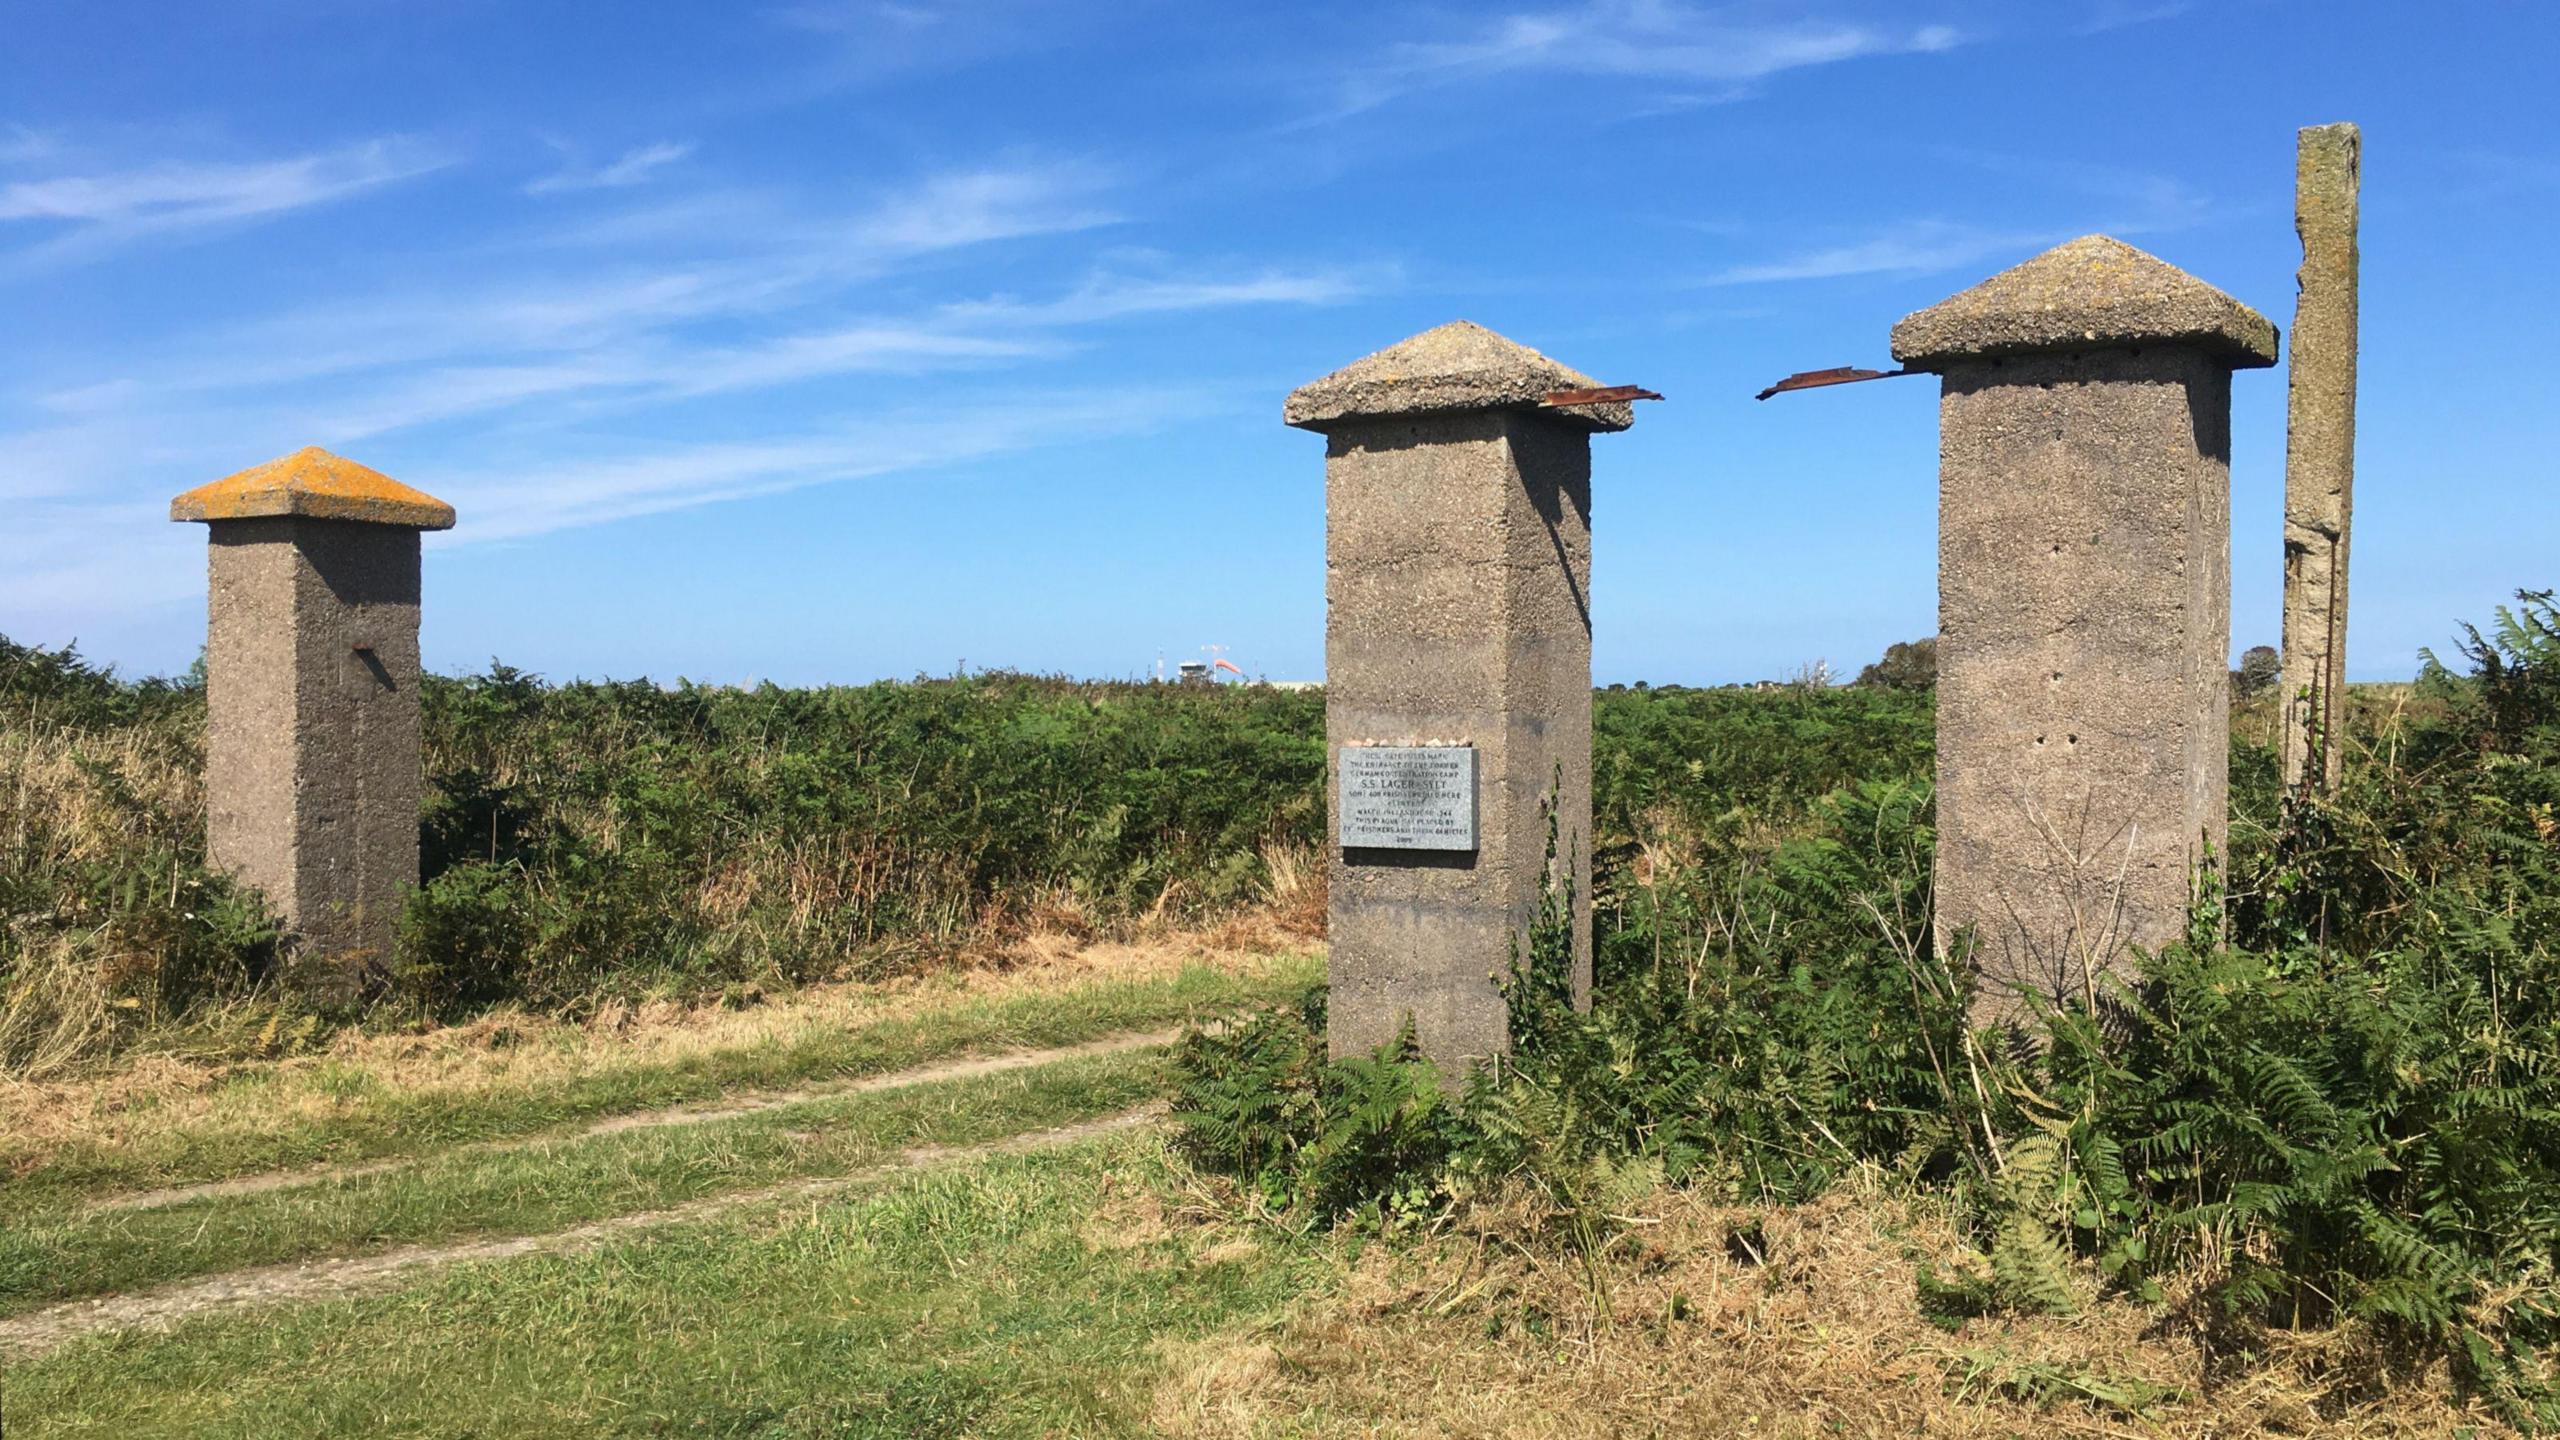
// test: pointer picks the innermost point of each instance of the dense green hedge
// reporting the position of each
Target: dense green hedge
(2338, 1100)
(605, 834)
(590, 838)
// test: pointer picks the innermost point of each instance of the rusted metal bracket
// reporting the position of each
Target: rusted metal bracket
(1816, 379)
(1605, 395)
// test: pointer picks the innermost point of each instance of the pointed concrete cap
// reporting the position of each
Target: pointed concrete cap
(2092, 293)
(1459, 366)
(314, 483)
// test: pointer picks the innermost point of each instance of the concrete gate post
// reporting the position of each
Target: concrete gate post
(2084, 605)
(312, 768)
(1457, 677)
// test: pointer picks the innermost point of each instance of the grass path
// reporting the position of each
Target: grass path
(172, 1126)
(472, 1192)
(559, 1237)
(1029, 1292)
(966, 1069)
(32, 1335)
(420, 1168)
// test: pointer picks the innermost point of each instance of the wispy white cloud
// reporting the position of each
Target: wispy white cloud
(67, 567)
(962, 206)
(20, 145)
(633, 167)
(1113, 297)
(1720, 52)
(2086, 197)
(173, 195)
(2117, 14)
(795, 260)
(526, 499)
(857, 17)
(522, 347)
(842, 44)
(634, 347)
(652, 373)
(975, 207)
(662, 366)
(85, 399)
(1919, 248)
(80, 215)
(2474, 175)
(791, 359)
(81, 558)
(2134, 200)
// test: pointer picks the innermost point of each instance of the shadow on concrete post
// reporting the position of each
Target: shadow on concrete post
(1457, 677)
(312, 767)
(2084, 606)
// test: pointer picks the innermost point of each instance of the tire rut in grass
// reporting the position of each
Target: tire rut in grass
(26, 1337)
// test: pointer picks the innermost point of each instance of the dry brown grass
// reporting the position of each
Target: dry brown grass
(70, 802)
(61, 777)
(1797, 1321)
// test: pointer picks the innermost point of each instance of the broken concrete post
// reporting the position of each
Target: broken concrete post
(2084, 605)
(312, 769)
(1457, 678)
(2320, 453)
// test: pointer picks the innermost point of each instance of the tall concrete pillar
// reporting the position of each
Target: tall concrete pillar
(2084, 605)
(1457, 677)
(2320, 452)
(312, 768)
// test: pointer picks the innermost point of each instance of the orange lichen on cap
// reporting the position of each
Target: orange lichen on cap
(312, 482)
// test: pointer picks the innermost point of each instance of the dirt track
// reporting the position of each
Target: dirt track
(33, 1334)
(939, 1071)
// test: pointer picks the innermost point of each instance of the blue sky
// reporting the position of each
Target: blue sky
(839, 339)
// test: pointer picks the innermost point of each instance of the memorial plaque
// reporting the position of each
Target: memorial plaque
(1407, 797)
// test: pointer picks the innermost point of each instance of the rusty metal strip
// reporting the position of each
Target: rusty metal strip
(1605, 395)
(1816, 379)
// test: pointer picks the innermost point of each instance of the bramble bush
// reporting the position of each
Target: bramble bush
(588, 837)
(2338, 1100)
(111, 924)
(591, 839)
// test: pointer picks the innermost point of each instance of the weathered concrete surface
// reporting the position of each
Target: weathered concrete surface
(1457, 584)
(313, 482)
(2084, 565)
(2094, 291)
(312, 767)
(1454, 368)
(2320, 449)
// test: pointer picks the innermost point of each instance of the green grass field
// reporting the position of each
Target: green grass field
(1014, 1297)
(276, 1117)
(931, 1275)
(550, 1186)
(779, 1174)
